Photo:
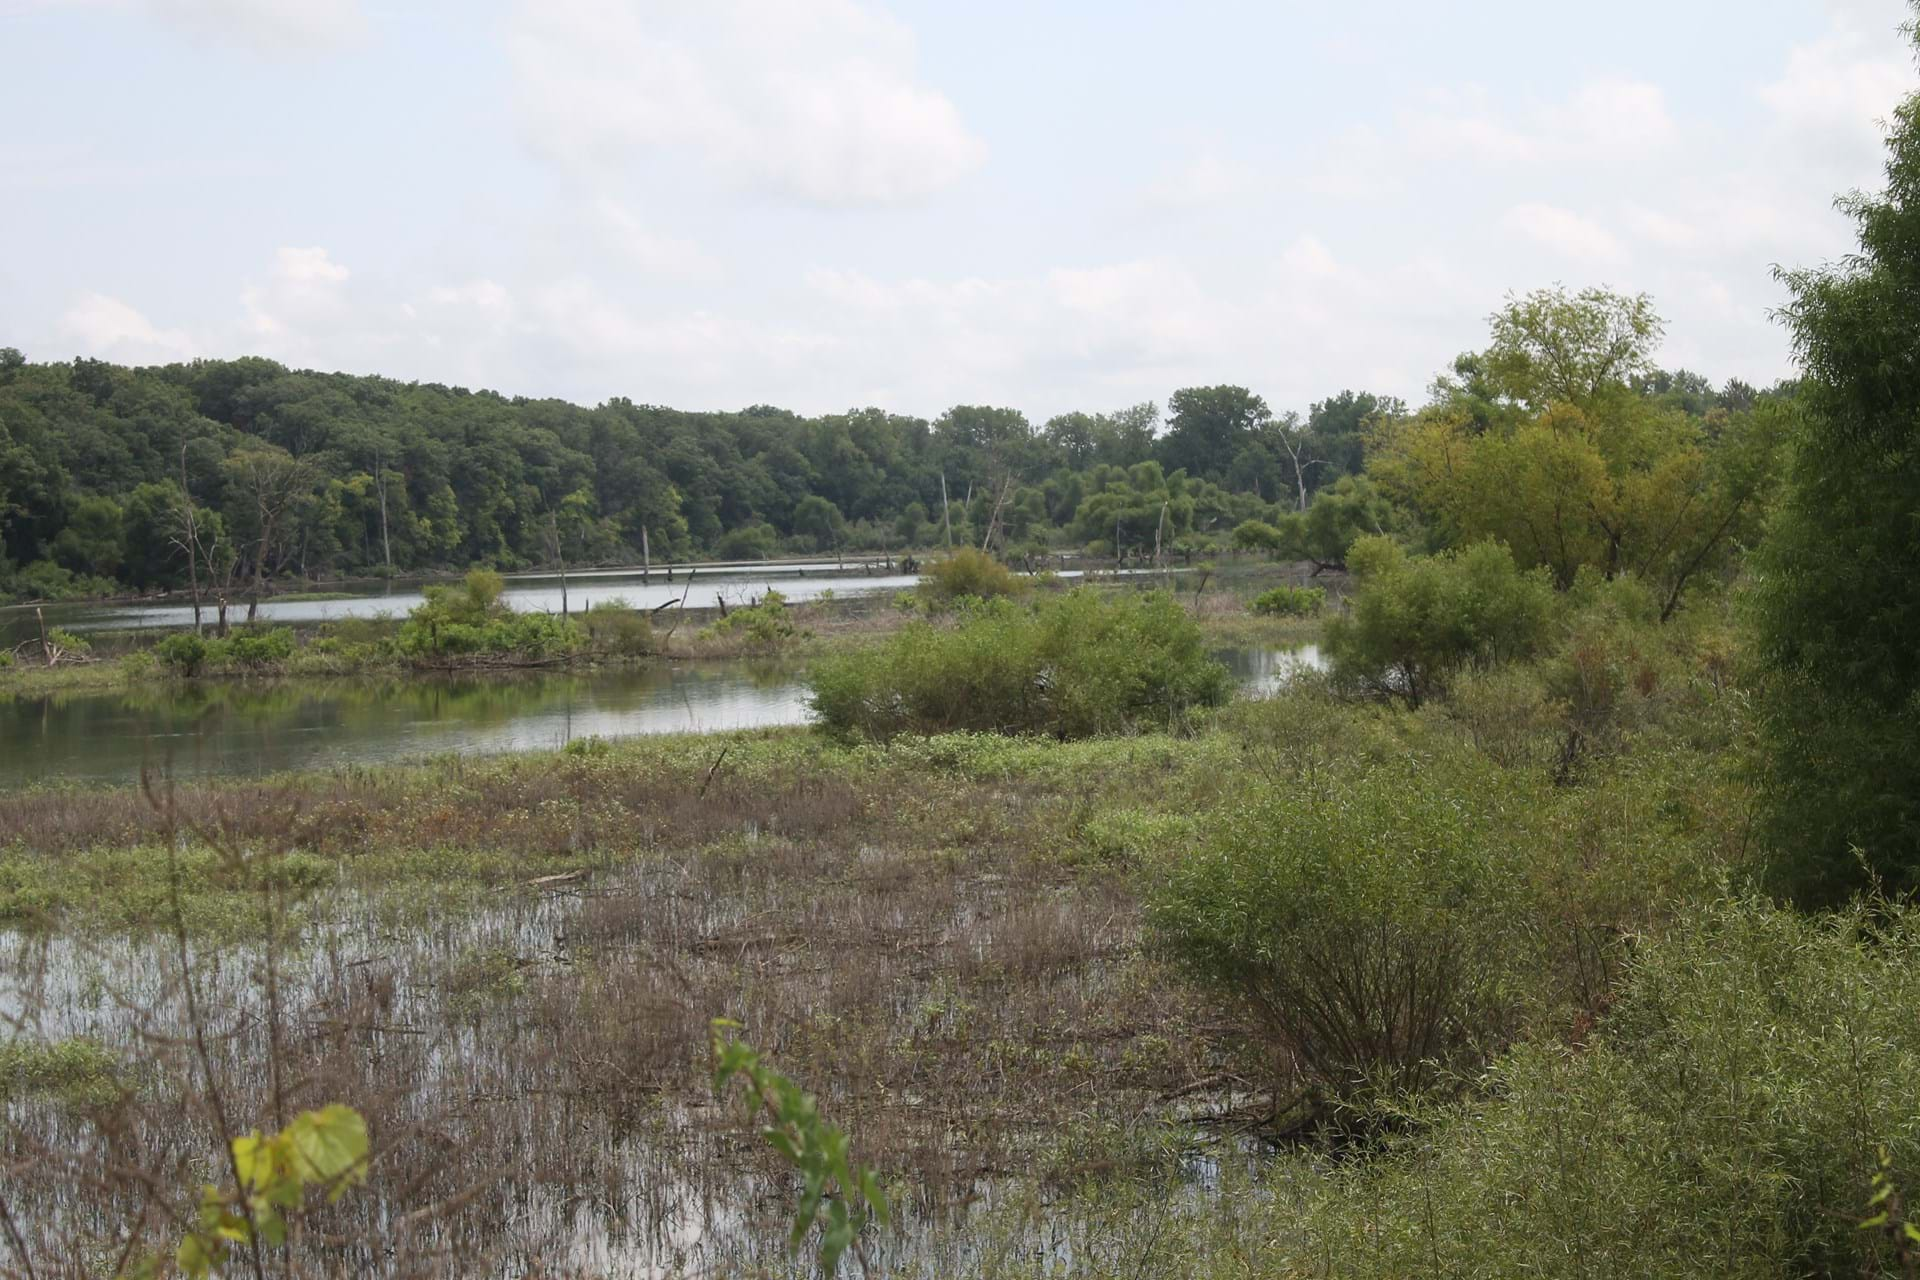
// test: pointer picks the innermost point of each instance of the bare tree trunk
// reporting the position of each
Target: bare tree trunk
(191, 527)
(1159, 529)
(560, 557)
(993, 521)
(946, 510)
(46, 649)
(646, 556)
(386, 547)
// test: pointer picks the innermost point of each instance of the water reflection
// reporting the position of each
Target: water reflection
(250, 727)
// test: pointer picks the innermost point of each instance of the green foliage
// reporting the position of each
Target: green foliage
(45, 580)
(324, 1150)
(817, 1151)
(757, 541)
(1551, 346)
(1368, 922)
(1079, 664)
(75, 1072)
(1291, 602)
(967, 573)
(68, 642)
(249, 647)
(184, 652)
(765, 626)
(471, 621)
(616, 627)
(1721, 1120)
(1837, 600)
(1418, 620)
(1349, 509)
(1258, 535)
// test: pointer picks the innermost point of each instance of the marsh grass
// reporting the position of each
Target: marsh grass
(511, 965)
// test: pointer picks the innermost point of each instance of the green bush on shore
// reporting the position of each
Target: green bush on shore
(967, 574)
(1291, 602)
(1070, 667)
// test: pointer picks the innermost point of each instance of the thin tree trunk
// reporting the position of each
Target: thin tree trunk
(386, 547)
(646, 557)
(192, 529)
(946, 510)
(560, 557)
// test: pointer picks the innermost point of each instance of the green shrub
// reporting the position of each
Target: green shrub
(748, 542)
(1416, 621)
(766, 625)
(1291, 602)
(75, 1072)
(616, 627)
(68, 641)
(1371, 924)
(184, 653)
(251, 648)
(1258, 535)
(472, 621)
(968, 573)
(1072, 666)
(1724, 1119)
(45, 580)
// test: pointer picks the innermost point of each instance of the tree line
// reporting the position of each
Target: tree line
(223, 475)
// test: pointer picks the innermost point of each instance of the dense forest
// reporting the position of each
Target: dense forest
(226, 475)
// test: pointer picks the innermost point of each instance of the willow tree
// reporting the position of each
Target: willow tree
(1837, 607)
(1577, 469)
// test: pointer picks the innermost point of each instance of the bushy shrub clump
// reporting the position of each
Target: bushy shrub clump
(1077, 665)
(1416, 621)
(187, 654)
(616, 627)
(1369, 921)
(968, 573)
(1723, 1119)
(1291, 602)
(45, 580)
(765, 626)
(471, 620)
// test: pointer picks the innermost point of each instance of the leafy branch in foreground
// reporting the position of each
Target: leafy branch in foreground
(1888, 1215)
(272, 1173)
(816, 1150)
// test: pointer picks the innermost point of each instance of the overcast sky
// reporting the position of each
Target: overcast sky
(830, 203)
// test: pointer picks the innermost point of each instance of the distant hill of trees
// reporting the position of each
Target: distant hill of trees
(226, 474)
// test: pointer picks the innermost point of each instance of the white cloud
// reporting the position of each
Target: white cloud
(1834, 93)
(817, 99)
(1308, 257)
(110, 328)
(652, 251)
(1621, 115)
(1564, 232)
(303, 294)
(1356, 164)
(1208, 178)
(281, 26)
(1660, 228)
(1463, 124)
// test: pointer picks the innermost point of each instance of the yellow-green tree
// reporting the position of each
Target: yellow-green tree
(1579, 470)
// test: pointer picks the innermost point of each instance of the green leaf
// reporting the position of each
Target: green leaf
(330, 1144)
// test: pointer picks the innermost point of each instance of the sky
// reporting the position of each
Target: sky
(828, 204)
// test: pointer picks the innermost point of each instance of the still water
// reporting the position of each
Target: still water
(244, 727)
(710, 586)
